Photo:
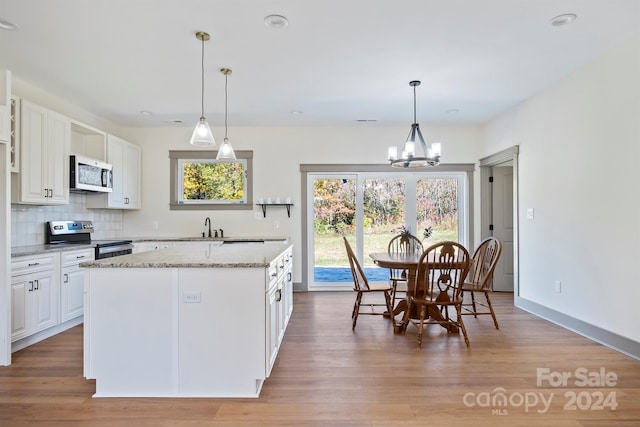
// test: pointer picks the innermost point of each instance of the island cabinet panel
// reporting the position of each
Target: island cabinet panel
(132, 331)
(221, 349)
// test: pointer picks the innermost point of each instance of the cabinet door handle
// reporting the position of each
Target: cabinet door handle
(32, 264)
(37, 285)
(31, 283)
(289, 277)
(50, 192)
(79, 256)
(279, 298)
(274, 275)
(126, 200)
(66, 278)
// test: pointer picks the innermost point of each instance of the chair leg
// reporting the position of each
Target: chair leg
(356, 310)
(393, 295)
(473, 304)
(405, 317)
(422, 316)
(493, 314)
(461, 324)
(387, 299)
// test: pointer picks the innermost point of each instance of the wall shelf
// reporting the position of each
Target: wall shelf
(264, 207)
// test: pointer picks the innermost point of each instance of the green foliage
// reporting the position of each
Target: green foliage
(213, 181)
(384, 200)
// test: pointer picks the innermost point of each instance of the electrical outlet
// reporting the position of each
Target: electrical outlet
(154, 225)
(530, 213)
(191, 297)
(276, 224)
(558, 286)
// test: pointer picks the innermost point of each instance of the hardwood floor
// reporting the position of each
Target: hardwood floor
(327, 375)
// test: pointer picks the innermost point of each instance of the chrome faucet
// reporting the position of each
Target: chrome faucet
(221, 233)
(207, 221)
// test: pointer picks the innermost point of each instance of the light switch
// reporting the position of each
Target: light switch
(529, 213)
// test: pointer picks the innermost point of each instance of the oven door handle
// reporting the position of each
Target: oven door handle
(103, 250)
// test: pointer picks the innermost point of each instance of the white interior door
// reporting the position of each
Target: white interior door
(502, 220)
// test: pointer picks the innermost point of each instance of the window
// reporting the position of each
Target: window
(199, 181)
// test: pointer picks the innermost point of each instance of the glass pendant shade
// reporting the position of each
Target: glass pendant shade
(202, 136)
(226, 151)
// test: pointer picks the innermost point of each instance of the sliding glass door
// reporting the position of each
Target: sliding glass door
(369, 209)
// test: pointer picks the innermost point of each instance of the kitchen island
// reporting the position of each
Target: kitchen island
(188, 321)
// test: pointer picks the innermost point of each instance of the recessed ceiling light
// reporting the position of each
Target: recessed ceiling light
(366, 120)
(563, 19)
(146, 113)
(452, 111)
(174, 121)
(276, 21)
(296, 112)
(6, 25)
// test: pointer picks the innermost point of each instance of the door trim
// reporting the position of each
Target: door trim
(486, 163)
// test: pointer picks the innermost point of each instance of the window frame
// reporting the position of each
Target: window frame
(178, 157)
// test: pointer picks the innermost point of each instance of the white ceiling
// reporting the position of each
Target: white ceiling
(338, 61)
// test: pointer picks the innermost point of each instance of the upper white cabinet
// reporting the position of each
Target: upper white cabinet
(5, 105)
(44, 159)
(125, 158)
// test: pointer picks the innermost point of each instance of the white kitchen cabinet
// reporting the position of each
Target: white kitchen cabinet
(14, 128)
(34, 294)
(72, 280)
(125, 158)
(44, 157)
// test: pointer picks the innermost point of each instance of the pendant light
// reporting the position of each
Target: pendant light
(226, 150)
(202, 136)
(408, 159)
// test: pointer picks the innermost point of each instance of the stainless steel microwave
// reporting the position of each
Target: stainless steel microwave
(90, 175)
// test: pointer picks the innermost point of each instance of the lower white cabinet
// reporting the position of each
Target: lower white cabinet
(72, 283)
(34, 294)
(279, 304)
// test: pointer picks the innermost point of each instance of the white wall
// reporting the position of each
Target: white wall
(278, 153)
(578, 168)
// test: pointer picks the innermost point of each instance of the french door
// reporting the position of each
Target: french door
(369, 209)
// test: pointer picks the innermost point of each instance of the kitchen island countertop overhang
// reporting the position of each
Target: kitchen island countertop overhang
(215, 255)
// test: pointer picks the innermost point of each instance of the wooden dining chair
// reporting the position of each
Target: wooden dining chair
(363, 287)
(483, 263)
(441, 271)
(404, 243)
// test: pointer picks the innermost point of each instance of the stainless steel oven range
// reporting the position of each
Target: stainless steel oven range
(79, 232)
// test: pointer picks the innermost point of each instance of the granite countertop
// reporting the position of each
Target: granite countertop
(211, 239)
(17, 251)
(40, 249)
(225, 256)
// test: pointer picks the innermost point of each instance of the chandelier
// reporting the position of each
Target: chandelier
(408, 159)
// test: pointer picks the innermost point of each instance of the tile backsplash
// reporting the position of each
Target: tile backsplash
(28, 221)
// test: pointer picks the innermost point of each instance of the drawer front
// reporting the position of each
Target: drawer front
(30, 264)
(76, 257)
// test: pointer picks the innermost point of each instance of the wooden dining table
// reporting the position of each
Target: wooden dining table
(408, 262)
